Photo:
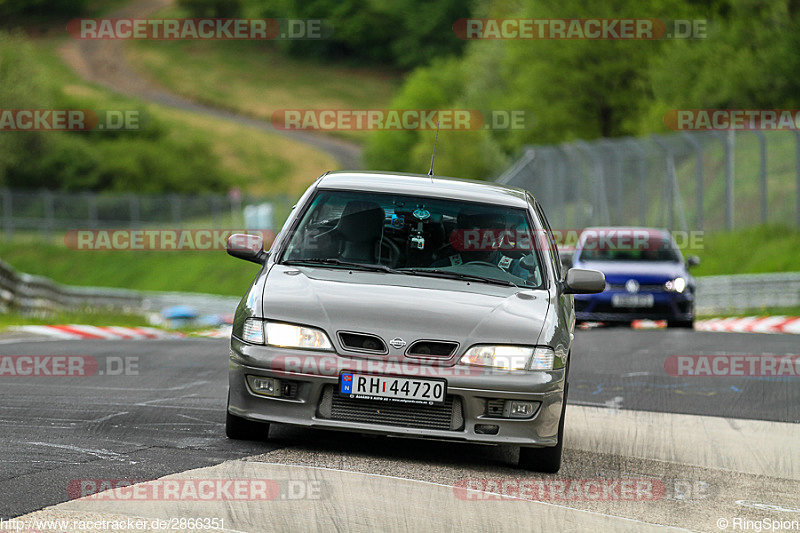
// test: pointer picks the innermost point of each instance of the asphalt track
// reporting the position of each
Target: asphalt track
(719, 447)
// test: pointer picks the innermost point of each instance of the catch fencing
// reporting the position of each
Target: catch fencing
(706, 181)
(49, 213)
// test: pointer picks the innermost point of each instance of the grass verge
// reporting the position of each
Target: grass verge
(211, 272)
(93, 318)
(254, 78)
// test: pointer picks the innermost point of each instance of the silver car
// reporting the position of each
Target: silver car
(408, 305)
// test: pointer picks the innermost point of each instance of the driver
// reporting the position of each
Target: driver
(478, 236)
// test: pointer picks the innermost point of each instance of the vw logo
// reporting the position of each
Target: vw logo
(397, 343)
(632, 286)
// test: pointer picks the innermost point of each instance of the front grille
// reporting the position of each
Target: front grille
(447, 416)
(432, 349)
(362, 342)
(643, 287)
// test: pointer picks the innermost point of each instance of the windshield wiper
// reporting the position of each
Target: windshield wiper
(338, 262)
(449, 274)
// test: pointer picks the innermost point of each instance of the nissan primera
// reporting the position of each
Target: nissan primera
(408, 305)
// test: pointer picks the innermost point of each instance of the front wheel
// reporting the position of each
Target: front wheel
(689, 324)
(547, 460)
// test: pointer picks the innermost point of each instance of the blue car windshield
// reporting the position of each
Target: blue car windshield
(619, 248)
(417, 236)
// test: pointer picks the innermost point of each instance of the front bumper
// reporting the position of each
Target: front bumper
(314, 377)
(666, 306)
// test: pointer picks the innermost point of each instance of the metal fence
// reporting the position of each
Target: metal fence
(48, 212)
(685, 181)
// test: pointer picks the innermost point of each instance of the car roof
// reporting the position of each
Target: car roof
(422, 185)
(625, 228)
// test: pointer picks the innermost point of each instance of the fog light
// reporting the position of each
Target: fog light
(519, 409)
(264, 386)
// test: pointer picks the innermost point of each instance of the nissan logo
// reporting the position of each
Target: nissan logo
(397, 343)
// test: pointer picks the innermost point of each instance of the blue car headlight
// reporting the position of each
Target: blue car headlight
(676, 285)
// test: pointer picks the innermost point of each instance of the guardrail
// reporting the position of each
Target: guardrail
(747, 292)
(27, 294)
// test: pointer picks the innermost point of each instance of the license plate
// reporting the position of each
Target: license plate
(632, 300)
(393, 389)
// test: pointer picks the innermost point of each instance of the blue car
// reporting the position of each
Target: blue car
(646, 277)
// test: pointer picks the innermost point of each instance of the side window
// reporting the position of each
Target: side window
(551, 243)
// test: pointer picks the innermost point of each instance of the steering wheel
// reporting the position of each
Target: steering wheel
(388, 252)
(484, 263)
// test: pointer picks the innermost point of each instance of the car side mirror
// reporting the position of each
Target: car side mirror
(247, 247)
(692, 260)
(582, 281)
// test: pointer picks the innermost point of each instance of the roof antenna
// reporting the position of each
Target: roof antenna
(436, 138)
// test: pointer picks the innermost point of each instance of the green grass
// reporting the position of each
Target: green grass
(72, 317)
(256, 79)
(754, 250)
(261, 163)
(211, 272)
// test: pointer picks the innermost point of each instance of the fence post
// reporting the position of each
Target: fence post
(175, 205)
(134, 209)
(8, 217)
(730, 162)
(49, 212)
(216, 209)
(698, 154)
(599, 179)
(506, 177)
(669, 173)
(762, 141)
(91, 201)
(797, 169)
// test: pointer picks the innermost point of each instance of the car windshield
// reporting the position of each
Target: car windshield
(629, 246)
(417, 236)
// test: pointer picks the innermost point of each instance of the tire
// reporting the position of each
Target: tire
(688, 324)
(238, 428)
(547, 459)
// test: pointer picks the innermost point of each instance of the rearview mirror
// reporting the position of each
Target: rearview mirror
(692, 260)
(582, 281)
(529, 262)
(247, 247)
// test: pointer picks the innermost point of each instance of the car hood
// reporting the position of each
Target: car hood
(409, 307)
(617, 272)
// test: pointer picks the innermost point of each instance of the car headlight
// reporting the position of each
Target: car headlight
(258, 331)
(510, 357)
(676, 285)
(291, 336)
